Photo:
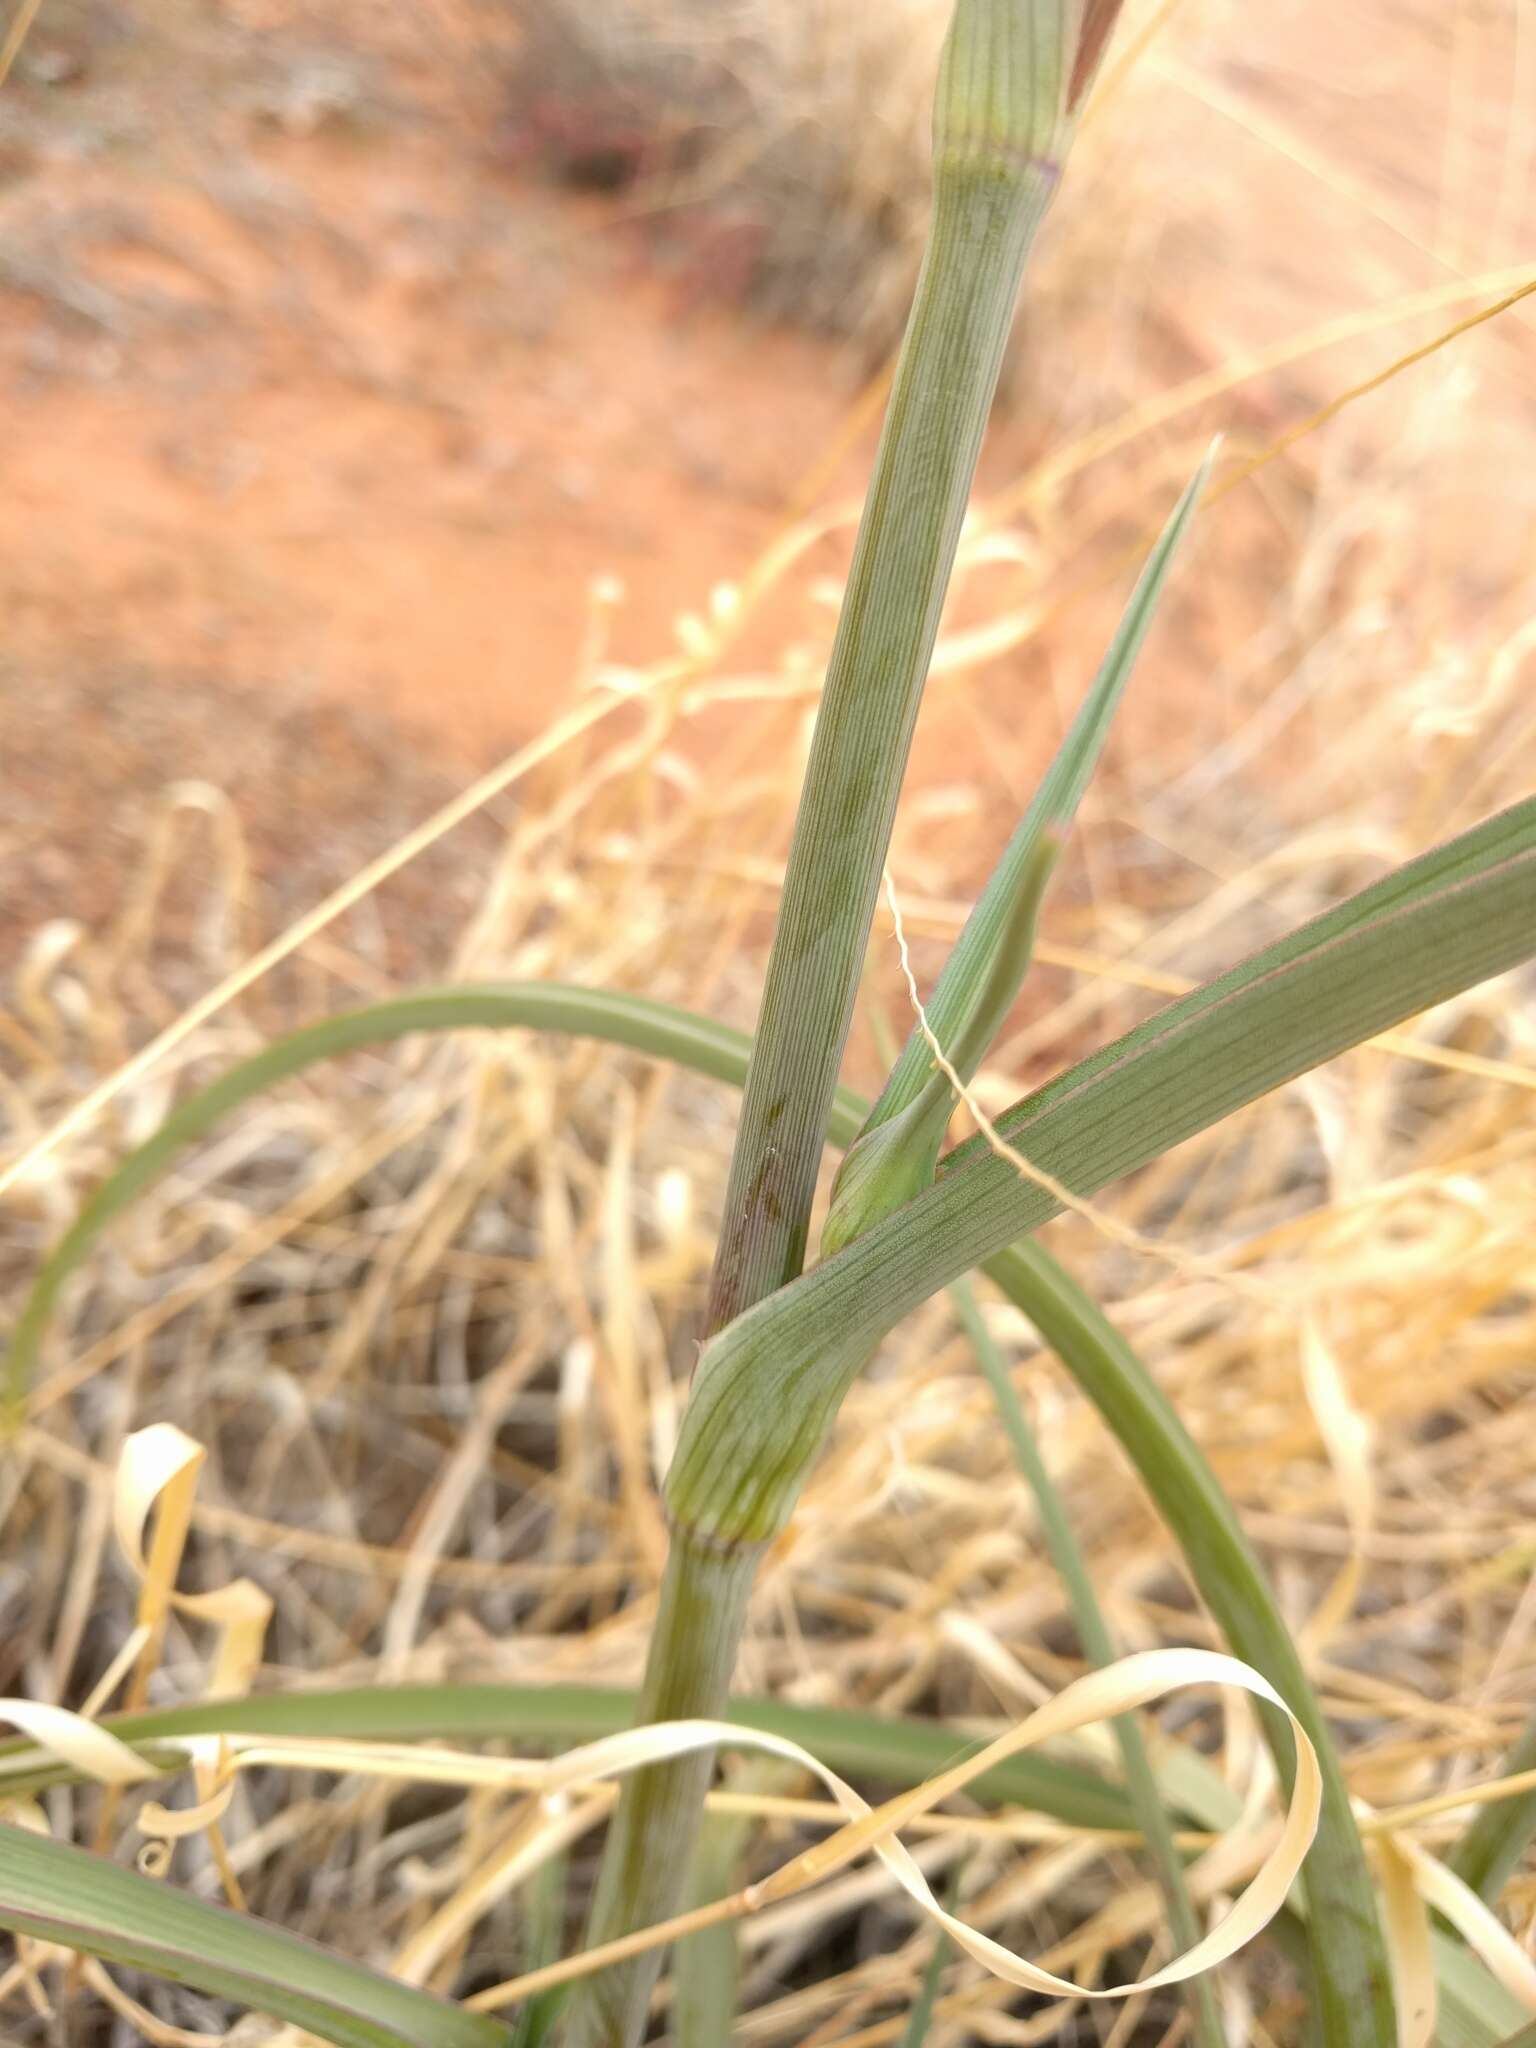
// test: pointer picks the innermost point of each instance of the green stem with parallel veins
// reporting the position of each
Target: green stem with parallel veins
(1000, 125)
(703, 1606)
(986, 211)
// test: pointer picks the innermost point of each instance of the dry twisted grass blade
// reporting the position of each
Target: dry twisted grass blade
(1116, 1689)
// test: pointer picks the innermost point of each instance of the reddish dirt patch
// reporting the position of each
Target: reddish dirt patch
(94, 766)
(312, 399)
(376, 426)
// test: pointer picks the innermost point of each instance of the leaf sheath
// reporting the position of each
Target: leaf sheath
(768, 1387)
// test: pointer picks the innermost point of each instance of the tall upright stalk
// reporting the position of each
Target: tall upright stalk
(1002, 121)
(994, 172)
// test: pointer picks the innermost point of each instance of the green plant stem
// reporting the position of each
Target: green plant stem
(703, 1606)
(1099, 1647)
(1499, 1833)
(1349, 1961)
(991, 189)
(706, 1967)
(986, 211)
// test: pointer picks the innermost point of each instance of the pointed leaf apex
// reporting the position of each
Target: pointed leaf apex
(1098, 25)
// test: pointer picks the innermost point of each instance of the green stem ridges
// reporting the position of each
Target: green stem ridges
(996, 134)
(704, 1596)
(706, 1966)
(990, 194)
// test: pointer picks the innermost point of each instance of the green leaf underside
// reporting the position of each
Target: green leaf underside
(62, 1894)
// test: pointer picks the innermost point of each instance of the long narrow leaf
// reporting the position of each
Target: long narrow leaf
(857, 1744)
(1051, 812)
(62, 1894)
(1345, 1946)
(646, 1027)
(1500, 1833)
(1142, 1788)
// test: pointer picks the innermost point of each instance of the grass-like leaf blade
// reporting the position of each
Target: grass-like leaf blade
(883, 1748)
(1426, 932)
(1051, 811)
(647, 1027)
(62, 1894)
(1500, 1832)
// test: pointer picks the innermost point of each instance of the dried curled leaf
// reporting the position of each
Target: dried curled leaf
(158, 1470)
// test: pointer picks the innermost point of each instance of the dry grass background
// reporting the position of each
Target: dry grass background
(431, 1311)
